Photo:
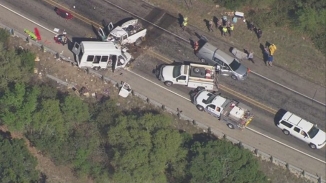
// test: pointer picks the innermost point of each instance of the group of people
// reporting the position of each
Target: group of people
(222, 24)
(253, 28)
(225, 27)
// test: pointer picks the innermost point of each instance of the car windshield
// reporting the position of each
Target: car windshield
(176, 71)
(313, 131)
(235, 65)
(210, 98)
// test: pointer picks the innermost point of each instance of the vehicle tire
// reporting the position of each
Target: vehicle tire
(286, 132)
(312, 146)
(196, 70)
(234, 77)
(202, 60)
(200, 108)
(138, 41)
(168, 83)
(96, 68)
(231, 126)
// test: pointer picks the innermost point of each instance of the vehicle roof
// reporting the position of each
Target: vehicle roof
(298, 121)
(218, 100)
(208, 46)
(118, 32)
(99, 47)
(224, 57)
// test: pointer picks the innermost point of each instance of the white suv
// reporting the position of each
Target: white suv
(303, 130)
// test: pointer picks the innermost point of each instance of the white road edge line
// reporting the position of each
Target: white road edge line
(159, 85)
(181, 38)
(27, 19)
(285, 145)
(173, 91)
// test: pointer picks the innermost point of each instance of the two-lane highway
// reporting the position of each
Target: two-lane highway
(268, 97)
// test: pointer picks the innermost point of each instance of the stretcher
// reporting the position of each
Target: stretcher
(239, 54)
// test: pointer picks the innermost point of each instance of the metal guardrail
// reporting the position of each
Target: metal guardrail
(264, 156)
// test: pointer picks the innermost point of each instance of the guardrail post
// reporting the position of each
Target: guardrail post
(256, 152)
(209, 130)
(287, 166)
(43, 48)
(12, 32)
(163, 107)
(148, 100)
(27, 39)
(194, 122)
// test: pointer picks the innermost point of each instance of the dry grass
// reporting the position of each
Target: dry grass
(295, 52)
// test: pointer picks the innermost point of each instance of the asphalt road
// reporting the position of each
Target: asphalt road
(174, 49)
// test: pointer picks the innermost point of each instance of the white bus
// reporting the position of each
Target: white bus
(100, 55)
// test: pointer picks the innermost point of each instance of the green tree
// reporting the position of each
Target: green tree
(74, 109)
(143, 147)
(16, 163)
(4, 37)
(27, 59)
(48, 119)
(17, 106)
(220, 161)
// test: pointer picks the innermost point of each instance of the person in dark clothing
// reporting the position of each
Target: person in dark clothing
(259, 33)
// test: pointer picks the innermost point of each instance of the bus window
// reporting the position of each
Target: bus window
(104, 58)
(90, 58)
(97, 59)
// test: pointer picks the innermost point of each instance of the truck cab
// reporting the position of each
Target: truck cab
(174, 74)
(211, 103)
(128, 33)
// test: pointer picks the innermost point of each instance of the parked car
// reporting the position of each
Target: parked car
(302, 129)
(225, 64)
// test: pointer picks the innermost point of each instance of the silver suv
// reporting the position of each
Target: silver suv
(225, 64)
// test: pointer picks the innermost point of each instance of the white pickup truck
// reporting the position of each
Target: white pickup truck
(131, 32)
(232, 112)
(193, 75)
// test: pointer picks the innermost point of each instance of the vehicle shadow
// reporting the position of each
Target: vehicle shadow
(278, 116)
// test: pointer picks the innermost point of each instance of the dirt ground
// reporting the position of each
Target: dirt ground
(295, 53)
(79, 78)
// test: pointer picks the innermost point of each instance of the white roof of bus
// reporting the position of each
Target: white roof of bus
(98, 47)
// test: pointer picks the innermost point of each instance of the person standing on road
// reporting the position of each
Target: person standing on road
(184, 23)
(251, 56)
(224, 30)
(259, 33)
(210, 26)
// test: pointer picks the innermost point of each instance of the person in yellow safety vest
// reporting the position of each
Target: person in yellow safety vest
(272, 49)
(224, 30)
(184, 23)
(230, 29)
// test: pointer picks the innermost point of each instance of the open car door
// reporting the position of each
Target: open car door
(101, 34)
(76, 49)
(110, 27)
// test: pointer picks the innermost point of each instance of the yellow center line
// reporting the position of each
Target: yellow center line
(159, 56)
(165, 59)
(252, 101)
